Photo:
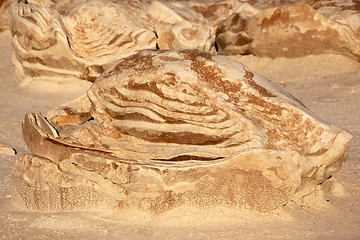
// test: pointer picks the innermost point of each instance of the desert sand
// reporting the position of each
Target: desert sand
(329, 85)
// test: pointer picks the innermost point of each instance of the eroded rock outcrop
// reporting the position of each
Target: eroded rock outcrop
(163, 129)
(293, 31)
(78, 39)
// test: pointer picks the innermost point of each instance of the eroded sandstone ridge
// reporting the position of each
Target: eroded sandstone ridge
(163, 129)
(77, 39)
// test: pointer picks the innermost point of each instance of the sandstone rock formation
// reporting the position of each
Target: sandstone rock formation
(81, 38)
(345, 13)
(77, 40)
(5, 8)
(163, 129)
(292, 31)
(178, 27)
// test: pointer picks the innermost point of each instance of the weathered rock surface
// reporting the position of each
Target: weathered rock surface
(177, 27)
(5, 9)
(293, 31)
(189, 24)
(162, 129)
(81, 38)
(77, 39)
(345, 13)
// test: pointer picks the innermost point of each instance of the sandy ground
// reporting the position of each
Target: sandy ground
(328, 84)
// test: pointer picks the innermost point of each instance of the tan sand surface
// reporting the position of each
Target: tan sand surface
(328, 84)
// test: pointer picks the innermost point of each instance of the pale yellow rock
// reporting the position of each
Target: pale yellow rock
(163, 129)
(5, 149)
(78, 40)
(292, 31)
(334, 188)
(54, 190)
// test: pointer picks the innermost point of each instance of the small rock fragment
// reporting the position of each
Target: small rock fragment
(4, 149)
(334, 188)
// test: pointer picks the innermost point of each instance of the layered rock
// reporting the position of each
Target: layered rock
(345, 13)
(78, 39)
(163, 129)
(292, 31)
(189, 24)
(179, 28)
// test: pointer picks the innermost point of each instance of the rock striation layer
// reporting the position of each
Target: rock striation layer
(163, 129)
(79, 39)
(188, 24)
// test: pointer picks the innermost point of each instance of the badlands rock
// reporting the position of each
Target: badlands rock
(52, 41)
(290, 31)
(163, 129)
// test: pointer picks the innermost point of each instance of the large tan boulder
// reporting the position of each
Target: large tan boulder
(77, 39)
(292, 31)
(163, 129)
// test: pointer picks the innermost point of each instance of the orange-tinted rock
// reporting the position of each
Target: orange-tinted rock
(290, 31)
(163, 129)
